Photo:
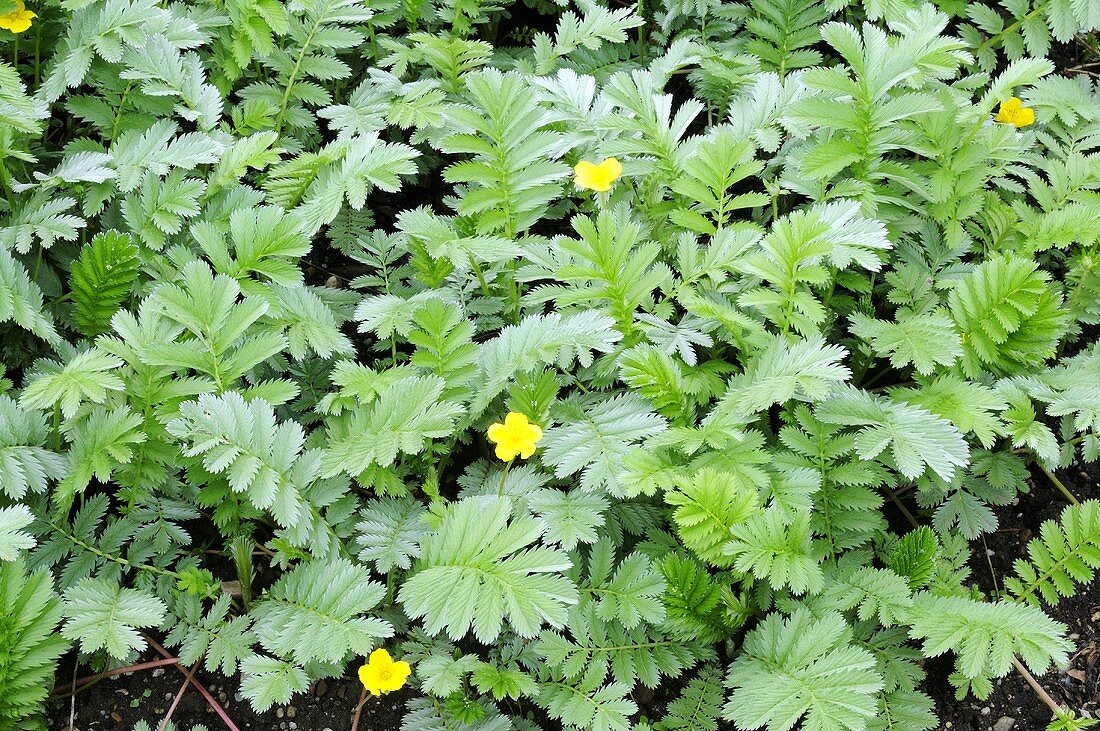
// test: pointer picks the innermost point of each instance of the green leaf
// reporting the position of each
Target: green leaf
(925, 340)
(594, 440)
(103, 615)
(917, 438)
(479, 569)
(406, 415)
(259, 456)
(266, 681)
(87, 376)
(807, 370)
(391, 533)
(101, 278)
(707, 508)
(21, 299)
(1066, 553)
(770, 549)
(802, 668)
(986, 637)
(32, 645)
(13, 539)
(25, 464)
(914, 556)
(312, 613)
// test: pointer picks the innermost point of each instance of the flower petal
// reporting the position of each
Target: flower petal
(515, 420)
(612, 168)
(369, 678)
(380, 658)
(584, 172)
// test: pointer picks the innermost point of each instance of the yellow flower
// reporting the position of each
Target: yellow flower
(17, 20)
(1015, 113)
(597, 177)
(514, 437)
(382, 675)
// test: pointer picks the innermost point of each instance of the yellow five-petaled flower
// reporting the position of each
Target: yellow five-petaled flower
(1015, 113)
(597, 177)
(382, 675)
(17, 20)
(516, 436)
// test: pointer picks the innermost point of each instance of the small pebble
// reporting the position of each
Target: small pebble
(990, 552)
(280, 713)
(238, 697)
(1075, 636)
(291, 724)
(986, 710)
(158, 672)
(1004, 723)
(291, 711)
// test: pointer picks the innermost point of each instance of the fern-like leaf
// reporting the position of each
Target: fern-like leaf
(29, 615)
(480, 569)
(1066, 553)
(803, 668)
(100, 280)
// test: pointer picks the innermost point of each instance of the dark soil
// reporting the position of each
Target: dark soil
(119, 702)
(1077, 687)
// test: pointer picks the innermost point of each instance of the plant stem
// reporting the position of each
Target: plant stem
(1039, 690)
(111, 557)
(5, 182)
(90, 680)
(359, 709)
(201, 688)
(904, 510)
(293, 76)
(1059, 484)
(480, 277)
(37, 53)
(118, 114)
(179, 696)
(503, 477)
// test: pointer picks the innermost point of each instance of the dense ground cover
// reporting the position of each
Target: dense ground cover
(681, 366)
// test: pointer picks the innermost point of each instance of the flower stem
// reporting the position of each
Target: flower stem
(359, 709)
(1059, 484)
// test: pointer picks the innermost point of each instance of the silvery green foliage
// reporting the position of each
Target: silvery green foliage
(269, 271)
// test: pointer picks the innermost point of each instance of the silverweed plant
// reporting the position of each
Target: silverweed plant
(558, 350)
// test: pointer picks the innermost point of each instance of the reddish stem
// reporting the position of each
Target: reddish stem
(359, 710)
(117, 671)
(205, 693)
(179, 696)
